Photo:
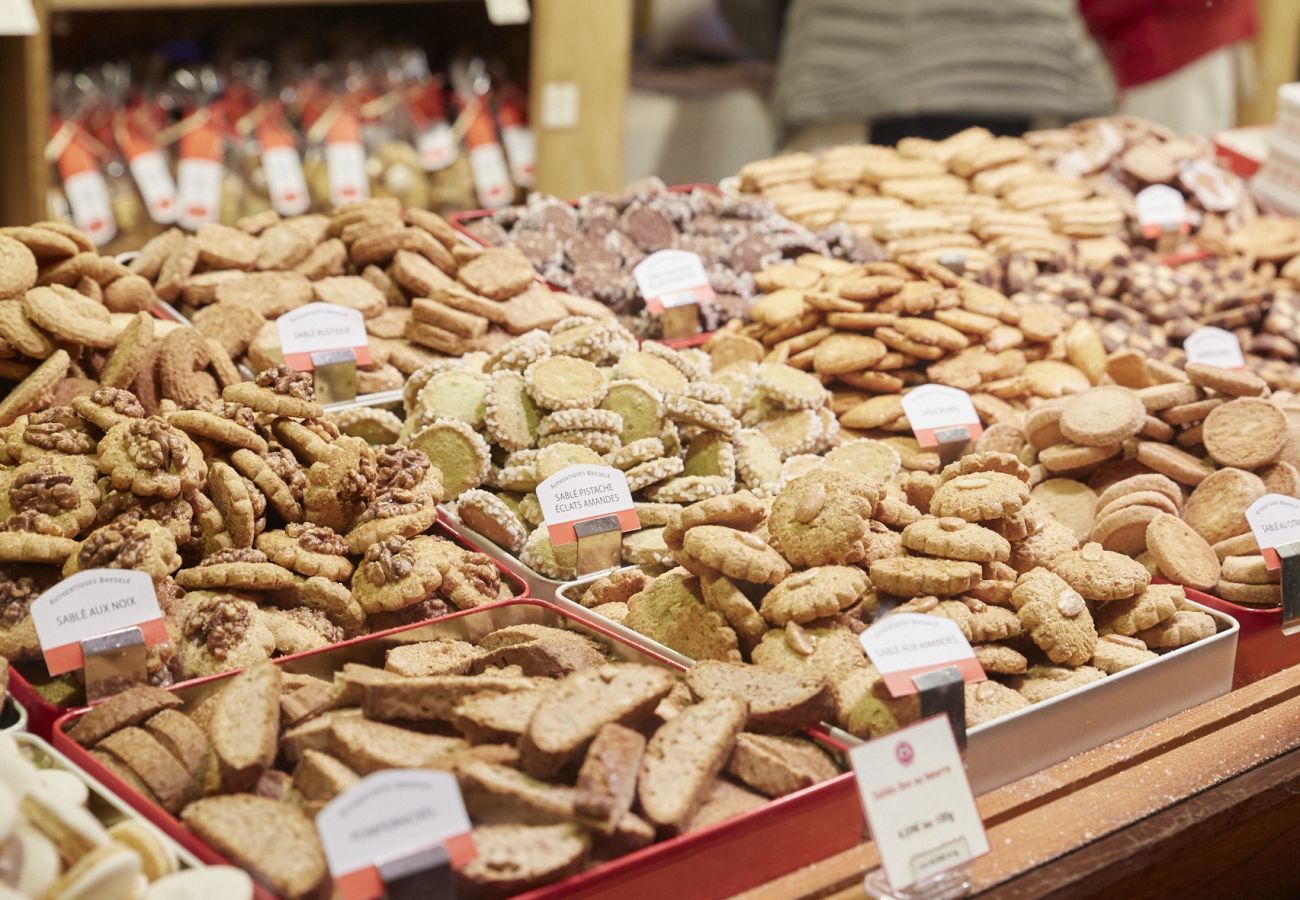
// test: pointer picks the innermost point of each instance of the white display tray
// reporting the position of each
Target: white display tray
(1046, 733)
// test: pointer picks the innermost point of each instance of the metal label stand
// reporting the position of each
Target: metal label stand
(681, 321)
(943, 692)
(422, 875)
(1290, 556)
(334, 373)
(952, 443)
(600, 545)
(114, 662)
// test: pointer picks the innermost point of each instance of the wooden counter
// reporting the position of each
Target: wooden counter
(1203, 804)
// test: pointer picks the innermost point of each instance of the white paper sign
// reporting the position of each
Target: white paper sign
(918, 802)
(285, 182)
(316, 327)
(492, 185)
(1160, 208)
(934, 409)
(90, 604)
(508, 12)
(389, 815)
(18, 17)
(904, 645)
(521, 151)
(345, 164)
(437, 147)
(157, 187)
(579, 493)
(92, 210)
(668, 278)
(1212, 346)
(1274, 520)
(198, 188)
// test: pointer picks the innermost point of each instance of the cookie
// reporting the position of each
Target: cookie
(394, 574)
(1148, 609)
(999, 659)
(1042, 683)
(1181, 554)
(823, 518)
(954, 538)
(511, 417)
(1216, 510)
(1055, 617)
(562, 382)
(491, 517)
(1182, 628)
(1250, 570)
(1245, 433)
(910, 576)
(308, 550)
(814, 594)
(989, 700)
(1102, 416)
(1178, 465)
(1116, 652)
(1099, 574)
(725, 597)
(460, 454)
(238, 569)
(979, 497)
(279, 391)
(671, 611)
(736, 554)
(151, 458)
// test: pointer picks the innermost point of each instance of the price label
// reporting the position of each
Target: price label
(940, 414)
(560, 105)
(90, 604)
(1212, 346)
(492, 185)
(92, 210)
(157, 187)
(1274, 520)
(387, 817)
(904, 645)
(918, 802)
(669, 278)
(345, 165)
(285, 182)
(508, 12)
(1161, 209)
(319, 327)
(521, 152)
(437, 147)
(580, 493)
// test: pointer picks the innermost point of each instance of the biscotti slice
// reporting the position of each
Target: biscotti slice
(515, 858)
(499, 795)
(123, 772)
(131, 707)
(685, 755)
(607, 780)
(433, 698)
(571, 714)
(320, 777)
(183, 740)
(778, 701)
(722, 800)
(275, 842)
(136, 749)
(546, 657)
(307, 702)
(245, 725)
(490, 718)
(522, 634)
(366, 747)
(432, 658)
(775, 766)
(630, 833)
(354, 678)
(314, 734)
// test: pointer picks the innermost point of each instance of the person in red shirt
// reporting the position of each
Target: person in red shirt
(1176, 62)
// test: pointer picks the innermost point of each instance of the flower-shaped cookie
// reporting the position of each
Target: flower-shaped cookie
(151, 458)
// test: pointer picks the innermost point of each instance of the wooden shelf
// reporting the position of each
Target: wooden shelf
(587, 43)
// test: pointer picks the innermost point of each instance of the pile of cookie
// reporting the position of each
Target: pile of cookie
(63, 841)
(590, 247)
(565, 756)
(787, 584)
(265, 531)
(423, 291)
(681, 424)
(972, 197)
(77, 321)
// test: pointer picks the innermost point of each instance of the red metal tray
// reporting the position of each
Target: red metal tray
(42, 714)
(1262, 648)
(719, 861)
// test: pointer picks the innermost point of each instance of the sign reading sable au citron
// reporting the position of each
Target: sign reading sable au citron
(938, 414)
(90, 604)
(319, 327)
(579, 493)
(1274, 519)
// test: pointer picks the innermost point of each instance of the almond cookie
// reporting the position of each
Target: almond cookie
(910, 576)
(393, 575)
(308, 550)
(824, 517)
(1182, 628)
(725, 597)
(953, 538)
(489, 515)
(458, 451)
(279, 391)
(815, 594)
(1181, 554)
(671, 611)
(736, 554)
(1041, 683)
(1100, 574)
(740, 510)
(1116, 652)
(1245, 433)
(236, 569)
(1055, 617)
(1102, 416)
(1148, 609)
(999, 659)
(145, 546)
(991, 623)
(151, 458)
(979, 497)
(1216, 510)
(563, 382)
(989, 700)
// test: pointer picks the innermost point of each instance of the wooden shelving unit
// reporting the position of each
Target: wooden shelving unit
(586, 44)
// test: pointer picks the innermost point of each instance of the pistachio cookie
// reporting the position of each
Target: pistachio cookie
(491, 517)
(671, 610)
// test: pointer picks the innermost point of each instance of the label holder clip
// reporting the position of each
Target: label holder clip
(600, 544)
(681, 321)
(943, 693)
(114, 662)
(415, 876)
(952, 443)
(1289, 554)
(334, 374)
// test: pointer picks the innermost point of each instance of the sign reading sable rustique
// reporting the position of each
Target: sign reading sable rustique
(579, 493)
(318, 327)
(389, 817)
(90, 604)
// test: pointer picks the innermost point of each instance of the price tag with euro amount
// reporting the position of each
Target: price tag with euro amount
(581, 493)
(1212, 346)
(939, 414)
(384, 827)
(319, 328)
(1275, 521)
(904, 645)
(91, 604)
(918, 802)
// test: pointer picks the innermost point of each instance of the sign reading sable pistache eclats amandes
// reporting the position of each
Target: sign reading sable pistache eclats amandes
(579, 493)
(91, 604)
